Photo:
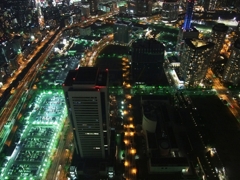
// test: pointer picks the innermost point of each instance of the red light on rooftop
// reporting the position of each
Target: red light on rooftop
(74, 79)
(106, 69)
(63, 84)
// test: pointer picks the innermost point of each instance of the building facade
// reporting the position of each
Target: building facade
(93, 7)
(122, 31)
(86, 94)
(232, 70)
(186, 31)
(195, 61)
(219, 32)
(147, 61)
(85, 10)
(188, 15)
(170, 10)
(143, 7)
(209, 5)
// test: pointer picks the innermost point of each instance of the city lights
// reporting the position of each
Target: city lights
(182, 64)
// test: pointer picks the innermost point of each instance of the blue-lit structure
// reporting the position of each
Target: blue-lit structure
(189, 14)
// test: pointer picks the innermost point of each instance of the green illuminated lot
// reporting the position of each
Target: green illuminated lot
(38, 141)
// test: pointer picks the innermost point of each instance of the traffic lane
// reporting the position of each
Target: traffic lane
(197, 144)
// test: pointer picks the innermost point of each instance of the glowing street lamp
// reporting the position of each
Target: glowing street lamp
(134, 170)
(133, 151)
(126, 163)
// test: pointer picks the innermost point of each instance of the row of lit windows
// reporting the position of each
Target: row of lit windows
(92, 134)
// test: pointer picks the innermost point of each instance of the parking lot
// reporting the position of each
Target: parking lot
(32, 155)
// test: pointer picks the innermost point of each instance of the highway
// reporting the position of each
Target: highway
(24, 63)
(23, 86)
(222, 94)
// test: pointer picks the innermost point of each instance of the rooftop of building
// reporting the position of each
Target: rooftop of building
(17, 37)
(86, 75)
(143, 26)
(198, 44)
(220, 27)
(169, 161)
(146, 43)
(149, 111)
(122, 22)
(92, 38)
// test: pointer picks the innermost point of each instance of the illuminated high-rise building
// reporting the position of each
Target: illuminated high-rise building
(195, 61)
(186, 31)
(86, 94)
(219, 32)
(188, 15)
(232, 70)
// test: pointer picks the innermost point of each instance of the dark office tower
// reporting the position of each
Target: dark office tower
(170, 10)
(86, 94)
(195, 61)
(143, 7)
(122, 30)
(232, 70)
(147, 61)
(219, 32)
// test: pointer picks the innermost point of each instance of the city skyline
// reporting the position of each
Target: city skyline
(92, 92)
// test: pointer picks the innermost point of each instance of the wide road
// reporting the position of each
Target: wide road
(222, 93)
(23, 63)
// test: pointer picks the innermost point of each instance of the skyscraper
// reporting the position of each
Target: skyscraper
(21, 8)
(218, 36)
(170, 10)
(147, 61)
(143, 7)
(122, 30)
(195, 61)
(188, 15)
(186, 31)
(232, 70)
(86, 94)
(209, 5)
